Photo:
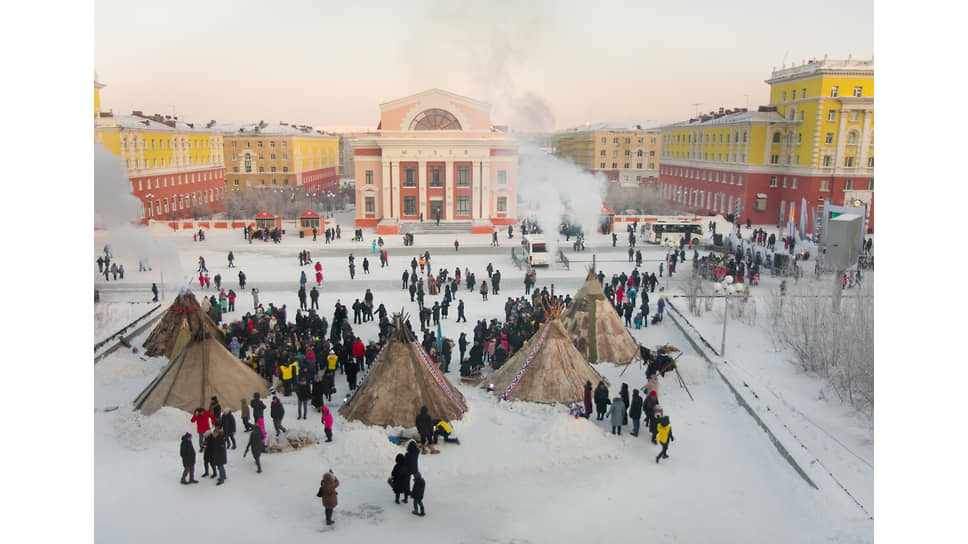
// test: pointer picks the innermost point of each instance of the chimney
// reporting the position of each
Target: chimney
(137, 113)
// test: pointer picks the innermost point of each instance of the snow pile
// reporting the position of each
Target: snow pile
(361, 451)
(137, 432)
(692, 368)
(114, 370)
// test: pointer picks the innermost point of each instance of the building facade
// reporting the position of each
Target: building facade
(814, 141)
(279, 156)
(625, 153)
(175, 168)
(435, 154)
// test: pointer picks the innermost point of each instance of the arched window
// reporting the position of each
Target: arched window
(435, 119)
(776, 137)
(852, 138)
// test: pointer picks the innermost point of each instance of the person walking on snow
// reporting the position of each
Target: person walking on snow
(400, 478)
(327, 420)
(188, 459)
(664, 436)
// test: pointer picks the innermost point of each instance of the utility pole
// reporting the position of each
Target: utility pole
(722, 350)
(697, 104)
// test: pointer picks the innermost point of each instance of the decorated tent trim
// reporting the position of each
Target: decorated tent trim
(308, 213)
(517, 377)
(429, 366)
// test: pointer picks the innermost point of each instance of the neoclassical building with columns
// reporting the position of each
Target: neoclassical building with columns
(434, 154)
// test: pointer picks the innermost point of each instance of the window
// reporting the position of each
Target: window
(463, 176)
(410, 179)
(626, 165)
(260, 156)
(262, 169)
(235, 168)
(615, 153)
(652, 153)
(852, 138)
(628, 140)
(262, 182)
(740, 180)
(826, 161)
(272, 156)
(638, 165)
(824, 185)
(502, 177)
(369, 177)
(602, 153)
(849, 162)
(259, 143)
(272, 168)
(848, 184)
(283, 145)
(829, 139)
(601, 165)
(774, 159)
(285, 156)
(794, 95)
(370, 203)
(274, 182)
(272, 144)
(870, 162)
(502, 204)
(651, 165)
(803, 92)
(744, 136)
(463, 205)
(870, 185)
(834, 91)
(236, 182)
(285, 168)
(776, 137)
(801, 115)
(628, 153)
(784, 97)
(604, 140)
(854, 116)
(832, 115)
(858, 91)
(799, 138)
(409, 205)
(615, 140)
(772, 181)
(614, 165)
(436, 179)
(247, 144)
(784, 182)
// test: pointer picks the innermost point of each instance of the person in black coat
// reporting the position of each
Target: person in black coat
(635, 412)
(419, 486)
(277, 412)
(219, 457)
(188, 459)
(624, 393)
(412, 457)
(255, 445)
(425, 426)
(207, 455)
(228, 427)
(601, 400)
(258, 407)
(400, 476)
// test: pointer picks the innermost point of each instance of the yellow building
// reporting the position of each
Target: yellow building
(175, 168)
(280, 156)
(814, 141)
(625, 153)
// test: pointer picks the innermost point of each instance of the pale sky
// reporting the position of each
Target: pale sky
(332, 63)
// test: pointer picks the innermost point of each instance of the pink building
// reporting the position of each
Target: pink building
(435, 154)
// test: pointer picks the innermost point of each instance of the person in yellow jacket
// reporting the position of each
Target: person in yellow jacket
(665, 436)
(443, 429)
(286, 372)
(331, 361)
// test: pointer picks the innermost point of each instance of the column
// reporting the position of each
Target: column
(450, 179)
(475, 190)
(385, 196)
(865, 140)
(487, 199)
(422, 188)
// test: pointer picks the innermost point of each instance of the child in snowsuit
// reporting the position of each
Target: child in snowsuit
(419, 486)
(400, 479)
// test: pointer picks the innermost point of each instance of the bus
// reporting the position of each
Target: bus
(669, 231)
(536, 249)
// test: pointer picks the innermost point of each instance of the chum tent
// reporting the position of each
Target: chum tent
(402, 380)
(199, 371)
(184, 321)
(548, 368)
(596, 328)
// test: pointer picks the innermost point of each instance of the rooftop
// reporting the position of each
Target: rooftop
(812, 66)
(616, 125)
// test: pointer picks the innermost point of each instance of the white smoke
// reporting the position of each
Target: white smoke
(118, 212)
(549, 186)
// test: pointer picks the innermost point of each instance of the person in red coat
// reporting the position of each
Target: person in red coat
(359, 352)
(203, 421)
(587, 397)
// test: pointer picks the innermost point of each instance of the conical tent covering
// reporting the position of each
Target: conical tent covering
(196, 373)
(184, 321)
(547, 369)
(402, 380)
(596, 328)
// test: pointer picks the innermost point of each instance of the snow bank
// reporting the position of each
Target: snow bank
(138, 432)
(694, 369)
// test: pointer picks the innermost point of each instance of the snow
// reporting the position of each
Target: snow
(523, 472)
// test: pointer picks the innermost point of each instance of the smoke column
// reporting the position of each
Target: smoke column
(118, 212)
(549, 186)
